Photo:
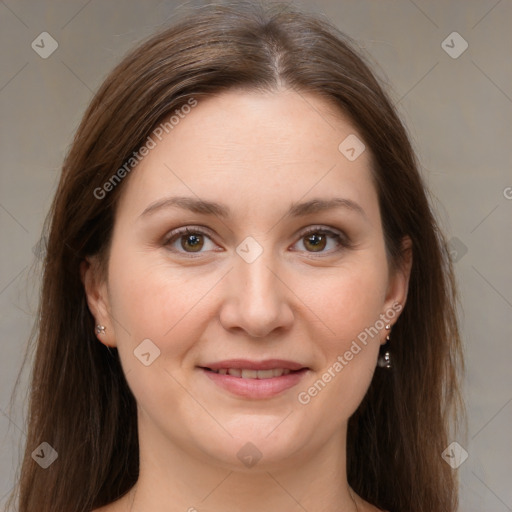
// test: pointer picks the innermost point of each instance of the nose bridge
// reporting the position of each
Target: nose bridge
(258, 301)
(253, 263)
(257, 280)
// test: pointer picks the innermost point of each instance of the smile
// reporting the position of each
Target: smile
(252, 374)
(254, 384)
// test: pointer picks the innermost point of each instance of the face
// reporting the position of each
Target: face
(262, 322)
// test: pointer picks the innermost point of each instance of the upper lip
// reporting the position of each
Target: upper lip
(268, 364)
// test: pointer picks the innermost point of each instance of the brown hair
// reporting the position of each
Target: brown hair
(80, 402)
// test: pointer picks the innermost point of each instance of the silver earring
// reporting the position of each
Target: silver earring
(100, 329)
(384, 360)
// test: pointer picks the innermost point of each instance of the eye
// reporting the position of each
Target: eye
(192, 239)
(316, 239)
(189, 239)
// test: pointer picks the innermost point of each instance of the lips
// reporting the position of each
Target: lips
(246, 373)
(247, 369)
(255, 379)
(246, 364)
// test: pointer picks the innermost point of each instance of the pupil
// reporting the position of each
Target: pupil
(317, 241)
(193, 241)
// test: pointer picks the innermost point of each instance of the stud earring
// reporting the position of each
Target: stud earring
(384, 360)
(100, 329)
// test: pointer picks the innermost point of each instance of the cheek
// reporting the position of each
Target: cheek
(347, 301)
(350, 307)
(152, 300)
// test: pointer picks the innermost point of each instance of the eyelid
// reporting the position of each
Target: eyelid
(184, 230)
(324, 229)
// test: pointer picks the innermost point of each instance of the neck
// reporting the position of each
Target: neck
(173, 480)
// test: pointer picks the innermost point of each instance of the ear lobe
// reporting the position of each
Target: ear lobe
(97, 298)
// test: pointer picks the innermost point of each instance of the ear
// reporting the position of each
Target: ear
(97, 299)
(398, 284)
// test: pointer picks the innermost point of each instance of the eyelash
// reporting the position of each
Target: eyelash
(340, 239)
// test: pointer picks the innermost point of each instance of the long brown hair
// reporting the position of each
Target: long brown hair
(80, 402)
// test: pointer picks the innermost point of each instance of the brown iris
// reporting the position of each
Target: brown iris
(317, 241)
(195, 242)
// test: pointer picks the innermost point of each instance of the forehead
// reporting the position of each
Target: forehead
(253, 149)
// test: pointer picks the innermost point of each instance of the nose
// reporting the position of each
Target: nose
(257, 300)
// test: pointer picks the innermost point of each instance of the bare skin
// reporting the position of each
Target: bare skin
(305, 298)
(124, 504)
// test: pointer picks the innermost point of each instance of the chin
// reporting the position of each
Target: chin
(255, 445)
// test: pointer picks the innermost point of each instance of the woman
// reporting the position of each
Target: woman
(247, 303)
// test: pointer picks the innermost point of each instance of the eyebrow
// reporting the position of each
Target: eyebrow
(205, 207)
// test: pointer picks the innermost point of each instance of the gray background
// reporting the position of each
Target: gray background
(458, 111)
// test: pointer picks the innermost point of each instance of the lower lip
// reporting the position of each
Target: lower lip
(256, 388)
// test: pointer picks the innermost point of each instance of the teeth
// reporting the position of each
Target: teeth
(249, 374)
(253, 374)
(264, 374)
